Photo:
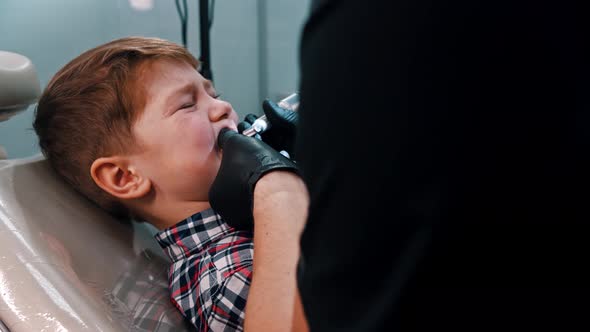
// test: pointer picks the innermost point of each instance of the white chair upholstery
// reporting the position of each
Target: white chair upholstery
(67, 265)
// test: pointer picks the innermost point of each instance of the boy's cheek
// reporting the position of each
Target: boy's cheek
(203, 140)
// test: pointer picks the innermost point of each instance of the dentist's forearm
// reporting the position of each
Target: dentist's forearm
(280, 211)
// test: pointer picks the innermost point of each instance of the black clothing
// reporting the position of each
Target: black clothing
(446, 147)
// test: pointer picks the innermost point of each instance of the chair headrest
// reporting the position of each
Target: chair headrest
(19, 84)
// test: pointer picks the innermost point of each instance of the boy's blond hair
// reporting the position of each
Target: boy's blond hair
(89, 107)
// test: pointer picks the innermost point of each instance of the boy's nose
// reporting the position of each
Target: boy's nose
(220, 110)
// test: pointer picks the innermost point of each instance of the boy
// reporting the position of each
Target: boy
(132, 125)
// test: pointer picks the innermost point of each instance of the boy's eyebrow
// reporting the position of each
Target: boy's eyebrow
(188, 87)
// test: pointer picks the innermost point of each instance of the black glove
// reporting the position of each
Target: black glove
(245, 160)
(281, 135)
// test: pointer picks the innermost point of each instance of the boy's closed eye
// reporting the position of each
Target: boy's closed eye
(187, 105)
(191, 104)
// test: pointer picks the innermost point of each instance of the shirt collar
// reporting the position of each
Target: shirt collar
(192, 234)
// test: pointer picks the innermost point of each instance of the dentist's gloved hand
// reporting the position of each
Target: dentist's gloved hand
(245, 160)
(281, 135)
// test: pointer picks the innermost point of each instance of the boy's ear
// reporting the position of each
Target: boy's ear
(115, 176)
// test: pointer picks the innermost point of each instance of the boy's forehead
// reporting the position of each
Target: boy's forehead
(163, 69)
(162, 77)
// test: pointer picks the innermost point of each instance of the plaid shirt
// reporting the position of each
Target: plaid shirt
(140, 297)
(211, 271)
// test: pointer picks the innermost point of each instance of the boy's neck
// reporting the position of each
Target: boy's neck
(167, 215)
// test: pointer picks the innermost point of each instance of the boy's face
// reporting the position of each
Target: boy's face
(178, 129)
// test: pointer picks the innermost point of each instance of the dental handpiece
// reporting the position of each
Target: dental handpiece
(260, 125)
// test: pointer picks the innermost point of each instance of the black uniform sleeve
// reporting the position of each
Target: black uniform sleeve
(443, 146)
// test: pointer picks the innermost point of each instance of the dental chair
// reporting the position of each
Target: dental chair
(66, 265)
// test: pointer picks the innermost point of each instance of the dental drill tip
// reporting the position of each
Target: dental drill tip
(249, 132)
(261, 125)
(258, 127)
